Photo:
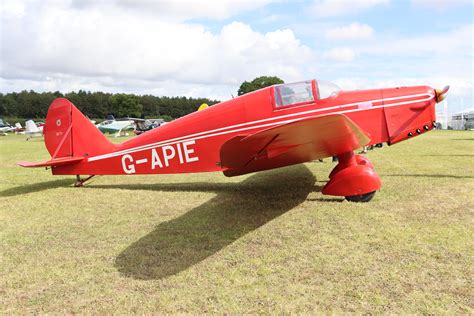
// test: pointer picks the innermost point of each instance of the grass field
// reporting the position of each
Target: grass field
(265, 242)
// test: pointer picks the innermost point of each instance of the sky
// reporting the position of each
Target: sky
(208, 48)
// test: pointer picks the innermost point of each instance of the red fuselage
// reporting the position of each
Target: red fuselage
(193, 142)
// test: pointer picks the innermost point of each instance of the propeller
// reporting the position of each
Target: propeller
(441, 94)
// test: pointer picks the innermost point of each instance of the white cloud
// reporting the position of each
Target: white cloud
(65, 83)
(354, 31)
(331, 8)
(130, 47)
(434, 59)
(11, 8)
(272, 18)
(117, 48)
(179, 9)
(455, 44)
(340, 54)
(441, 4)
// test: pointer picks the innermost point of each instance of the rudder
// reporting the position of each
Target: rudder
(68, 133)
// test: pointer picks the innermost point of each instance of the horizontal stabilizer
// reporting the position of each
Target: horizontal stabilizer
(52, 162)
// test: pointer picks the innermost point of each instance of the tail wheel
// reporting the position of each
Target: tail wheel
(361, 198)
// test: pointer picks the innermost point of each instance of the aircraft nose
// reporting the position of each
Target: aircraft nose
(441, 94)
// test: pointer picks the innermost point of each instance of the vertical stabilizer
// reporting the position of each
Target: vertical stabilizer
(31, 127)
(68, 133)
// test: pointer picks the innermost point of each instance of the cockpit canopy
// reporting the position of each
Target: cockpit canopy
(302, 92)
(327, 89)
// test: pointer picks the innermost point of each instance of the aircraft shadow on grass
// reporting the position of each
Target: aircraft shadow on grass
(237, 209)
(36, 187)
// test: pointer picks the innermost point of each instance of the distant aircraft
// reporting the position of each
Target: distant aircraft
(32, 130)
(116, 127)
(4, 127)
(18, 129)
(142, 125)
(270, 128)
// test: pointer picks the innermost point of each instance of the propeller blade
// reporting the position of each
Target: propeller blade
(441, 94)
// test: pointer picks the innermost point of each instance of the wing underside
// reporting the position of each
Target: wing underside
(291, 143)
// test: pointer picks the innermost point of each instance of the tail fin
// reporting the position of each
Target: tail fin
(68, 133)
(31, 127)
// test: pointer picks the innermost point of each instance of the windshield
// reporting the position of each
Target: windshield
(327, 89)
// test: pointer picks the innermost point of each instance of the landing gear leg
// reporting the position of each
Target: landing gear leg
(80, 182)
(354, 178)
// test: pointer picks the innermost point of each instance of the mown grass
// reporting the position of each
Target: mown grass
(262, 243)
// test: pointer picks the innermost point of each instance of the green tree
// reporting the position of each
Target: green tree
(30, 104)
(125, 105)
(150, 106)
(3, 108)
(167, 118)
(258, 83)
(10, 104)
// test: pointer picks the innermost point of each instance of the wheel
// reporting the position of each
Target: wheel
(361, 198)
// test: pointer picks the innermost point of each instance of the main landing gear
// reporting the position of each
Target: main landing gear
(80, 182)
(354, 178)
(361, 198)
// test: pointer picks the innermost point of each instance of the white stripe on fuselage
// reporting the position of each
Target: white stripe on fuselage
(207, 134)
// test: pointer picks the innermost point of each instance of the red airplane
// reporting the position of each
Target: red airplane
(270, 128)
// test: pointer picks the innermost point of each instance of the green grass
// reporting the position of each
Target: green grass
(262, 243)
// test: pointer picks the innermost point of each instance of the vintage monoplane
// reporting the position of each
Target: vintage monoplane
(270, 128)
(116, 127)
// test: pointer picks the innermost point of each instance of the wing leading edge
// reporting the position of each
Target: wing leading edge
(291, 143)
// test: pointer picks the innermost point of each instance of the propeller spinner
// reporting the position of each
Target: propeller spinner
(441, 94)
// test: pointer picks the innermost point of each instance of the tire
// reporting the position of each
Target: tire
(361, 198)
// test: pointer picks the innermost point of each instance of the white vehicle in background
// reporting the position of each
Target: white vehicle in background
(32, 130)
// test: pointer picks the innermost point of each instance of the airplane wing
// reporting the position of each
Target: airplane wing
(291, 143)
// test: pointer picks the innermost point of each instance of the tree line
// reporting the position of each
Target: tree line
(97, 105)
(31, 104)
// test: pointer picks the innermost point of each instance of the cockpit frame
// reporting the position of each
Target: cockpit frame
(278, 98)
